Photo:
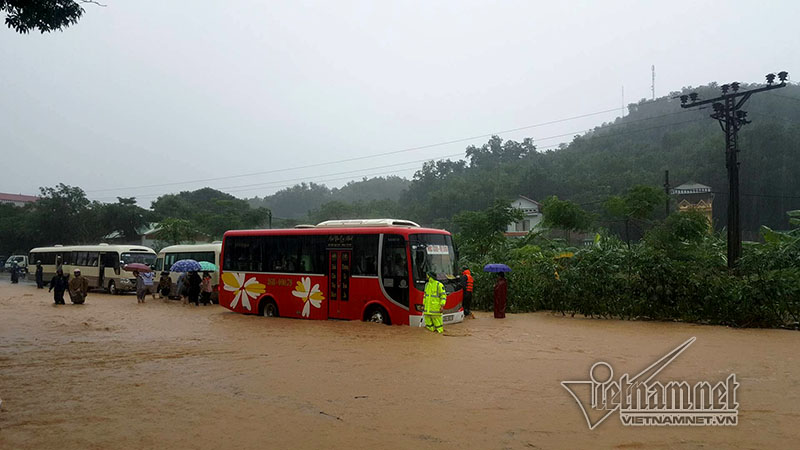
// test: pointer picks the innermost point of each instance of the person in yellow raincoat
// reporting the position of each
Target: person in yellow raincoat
(433, 302)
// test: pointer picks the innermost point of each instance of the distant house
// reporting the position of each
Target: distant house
(693, 196)
(145, 236)
(532, 215)
(17, 199)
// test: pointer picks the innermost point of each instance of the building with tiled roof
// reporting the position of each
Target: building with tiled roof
(17, 199)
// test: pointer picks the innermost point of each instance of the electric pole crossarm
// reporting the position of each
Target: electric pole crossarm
(745, 94)
(731, 118)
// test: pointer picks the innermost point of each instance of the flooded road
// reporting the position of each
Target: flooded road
(116, 374)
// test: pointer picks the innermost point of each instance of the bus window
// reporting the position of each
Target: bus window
(244, 254)
(137, 257)
(80, 258)
(92, 259)
(160, 264)
(365, 255)
(394, 268)
(313, 255)
(433, 252)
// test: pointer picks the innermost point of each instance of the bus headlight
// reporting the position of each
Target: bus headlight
(419, 308)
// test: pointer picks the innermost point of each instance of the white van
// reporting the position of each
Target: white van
(21, 260)
(198, 252)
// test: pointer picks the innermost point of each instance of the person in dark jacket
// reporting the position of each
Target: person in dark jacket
(60, 283)
(500, 293)
(14, 273)
(39, 275)
(194, 282)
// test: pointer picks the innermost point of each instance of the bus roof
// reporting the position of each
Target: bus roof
(94, 248)
(331, 230)
(217, 245)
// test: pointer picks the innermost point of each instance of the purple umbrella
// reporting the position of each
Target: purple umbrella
(496, 268)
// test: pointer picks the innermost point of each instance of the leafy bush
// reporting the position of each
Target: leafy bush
(678, 272)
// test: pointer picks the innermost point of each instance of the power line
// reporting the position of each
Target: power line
(323, 178)
(761, 195)
(784, 96)
(573, 133)
(359, 158)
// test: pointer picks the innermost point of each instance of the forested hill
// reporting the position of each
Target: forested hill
(636, 149)
(655, 136)
(297, 201)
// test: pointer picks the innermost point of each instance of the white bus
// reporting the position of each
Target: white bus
(101, 264)
(198, 252)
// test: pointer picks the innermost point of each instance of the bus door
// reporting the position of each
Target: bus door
(101, 278)
(339, 283)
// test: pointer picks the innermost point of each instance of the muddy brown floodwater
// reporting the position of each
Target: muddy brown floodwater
(113, 374)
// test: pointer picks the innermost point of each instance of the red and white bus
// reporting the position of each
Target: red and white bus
(373, 270)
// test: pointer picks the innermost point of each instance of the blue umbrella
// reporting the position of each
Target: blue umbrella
(496, 268)
(186, 265)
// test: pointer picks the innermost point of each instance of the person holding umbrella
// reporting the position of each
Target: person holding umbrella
(141, 292)
(500, 293)
(194, 287)
(142, 288)
(191, 283)
(500, 288)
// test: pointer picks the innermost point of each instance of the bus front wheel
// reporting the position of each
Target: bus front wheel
(270, 309)
(112, 288)
(378, 315)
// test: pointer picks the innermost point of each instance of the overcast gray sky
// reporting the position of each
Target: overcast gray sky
(150, 92)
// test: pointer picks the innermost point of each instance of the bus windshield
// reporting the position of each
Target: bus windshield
(432, 252)
(144, 258)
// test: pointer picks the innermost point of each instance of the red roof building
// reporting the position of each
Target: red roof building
(17, 199)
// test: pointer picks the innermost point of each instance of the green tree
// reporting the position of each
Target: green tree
(680, 236)
(43, 15)
(15, 230)
(480, 231)
(174, 231)
(63, 215)
(637, 204)
(565, 215)
(211, 211)
(124, 216)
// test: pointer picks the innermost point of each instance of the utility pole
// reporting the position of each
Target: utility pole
(727, 110)
(666, 191)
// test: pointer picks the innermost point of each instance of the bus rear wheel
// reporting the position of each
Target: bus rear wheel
(378, 315)
(270, 309)
(112, 288)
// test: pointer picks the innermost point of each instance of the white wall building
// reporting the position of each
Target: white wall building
(532, 216)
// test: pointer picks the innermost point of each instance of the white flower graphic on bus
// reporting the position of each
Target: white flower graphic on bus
(309, 295)
(234, 282)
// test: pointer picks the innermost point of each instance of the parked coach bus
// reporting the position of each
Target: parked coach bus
(101, 264)
(372, 270)
(198, 252)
